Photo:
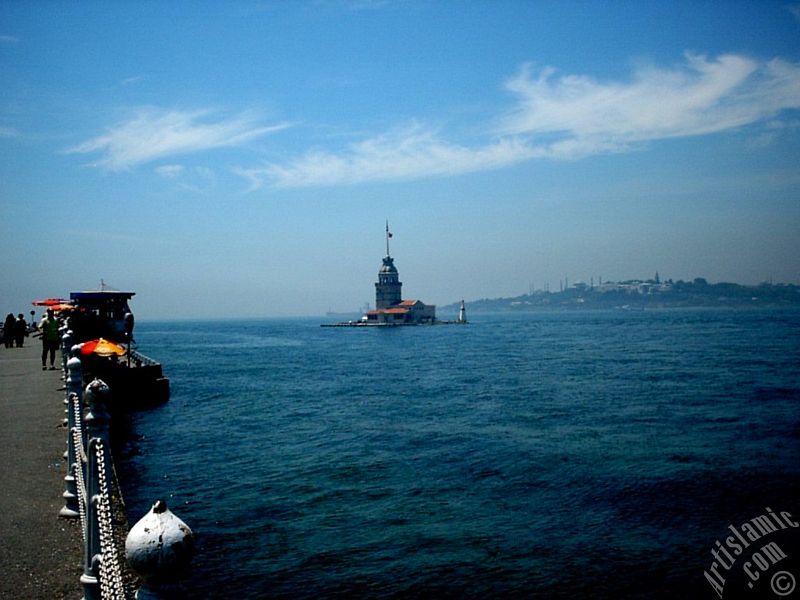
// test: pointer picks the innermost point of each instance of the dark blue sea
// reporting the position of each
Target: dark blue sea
(551, 455)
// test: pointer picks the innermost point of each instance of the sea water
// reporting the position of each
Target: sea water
(558, 455)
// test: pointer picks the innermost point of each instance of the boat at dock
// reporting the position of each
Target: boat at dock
(136, 381)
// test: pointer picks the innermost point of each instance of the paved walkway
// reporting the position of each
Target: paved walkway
(40, 553)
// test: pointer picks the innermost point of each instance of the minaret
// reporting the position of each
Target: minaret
(388, 289)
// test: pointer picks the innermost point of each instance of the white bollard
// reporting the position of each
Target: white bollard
(159, 548)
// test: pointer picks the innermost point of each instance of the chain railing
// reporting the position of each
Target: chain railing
(79, 467)
(88, 496)
(111, 584)
(88, 480)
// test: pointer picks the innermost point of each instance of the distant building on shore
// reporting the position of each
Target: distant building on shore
(390, 308)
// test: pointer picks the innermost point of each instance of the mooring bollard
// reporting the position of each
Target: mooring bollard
(159, 548)
(97, 430)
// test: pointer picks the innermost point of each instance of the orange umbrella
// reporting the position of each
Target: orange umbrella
(60, 307)
(102, 347)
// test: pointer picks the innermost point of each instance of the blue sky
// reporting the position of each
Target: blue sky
(240, 159)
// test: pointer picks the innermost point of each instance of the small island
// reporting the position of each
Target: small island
(390, 308)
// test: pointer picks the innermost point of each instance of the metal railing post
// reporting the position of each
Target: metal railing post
(71, 509)
(97, 425)
(74, 383)
(66, 350)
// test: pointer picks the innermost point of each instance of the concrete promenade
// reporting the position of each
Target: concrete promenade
(40, 552)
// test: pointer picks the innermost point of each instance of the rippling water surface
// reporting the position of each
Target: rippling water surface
(593, 454)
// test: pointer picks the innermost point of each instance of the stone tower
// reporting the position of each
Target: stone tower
(388, 288)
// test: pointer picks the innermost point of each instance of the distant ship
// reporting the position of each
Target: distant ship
(356, 314)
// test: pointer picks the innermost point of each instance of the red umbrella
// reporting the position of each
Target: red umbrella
(102, 347)
(50, 302)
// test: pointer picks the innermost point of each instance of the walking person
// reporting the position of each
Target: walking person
(20, 330)
(50, 338)
(8, 331)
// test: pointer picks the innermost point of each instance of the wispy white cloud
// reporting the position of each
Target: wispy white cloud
(701, 96)
(564, 117)
(8, 132)
(406, 153)
(8, 39)
(795, 10)
(154, 134)
(170, 171)
(197, 179)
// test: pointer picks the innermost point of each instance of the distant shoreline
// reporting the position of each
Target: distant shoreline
(638, 295)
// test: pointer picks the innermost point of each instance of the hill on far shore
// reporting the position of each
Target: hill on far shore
(638, 295)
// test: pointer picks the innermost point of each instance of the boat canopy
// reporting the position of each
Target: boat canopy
(102, 314)
(101, 295)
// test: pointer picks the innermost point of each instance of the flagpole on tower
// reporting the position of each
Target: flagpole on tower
(388, 235)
